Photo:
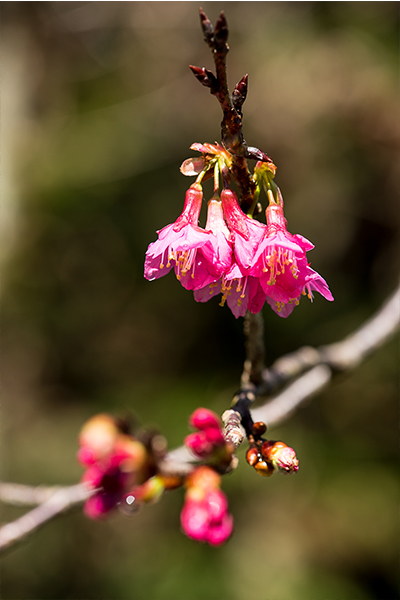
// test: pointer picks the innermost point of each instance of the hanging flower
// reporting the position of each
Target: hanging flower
(246, 233)
(197, 256)
(281, 265)
(240, 292)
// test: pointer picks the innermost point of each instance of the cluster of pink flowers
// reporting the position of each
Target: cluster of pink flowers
(114, 463)
(205, 515)
(208, 441)
(249, 263)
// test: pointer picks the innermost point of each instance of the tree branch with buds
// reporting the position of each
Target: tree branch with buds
(231, 125)
(250, 264)
(305, 372)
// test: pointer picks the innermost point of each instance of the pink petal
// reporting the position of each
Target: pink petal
(192, 166)
(217, 535)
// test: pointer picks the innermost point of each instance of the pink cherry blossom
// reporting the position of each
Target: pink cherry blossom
(246, 233)
(281, 265)
(240, 292)
(198, 257)
(204, 418)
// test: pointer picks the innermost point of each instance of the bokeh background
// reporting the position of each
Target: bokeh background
(99, 110)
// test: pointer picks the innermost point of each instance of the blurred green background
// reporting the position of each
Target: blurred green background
(99, 110)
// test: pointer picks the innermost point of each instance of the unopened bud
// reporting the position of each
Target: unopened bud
(281, 456)
(263, 468)
(203, 418)
(258, 429)
(252, 456)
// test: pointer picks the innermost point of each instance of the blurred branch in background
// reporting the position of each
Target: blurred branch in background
(321, 365)
(50, 504)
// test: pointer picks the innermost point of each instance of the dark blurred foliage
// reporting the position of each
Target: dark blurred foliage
(99, 111)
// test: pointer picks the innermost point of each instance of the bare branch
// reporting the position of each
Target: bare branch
(231, 125)
(283, 405)
(17, 494)
(326, 362)
(254, 363)
(340, 356)
(62, 500)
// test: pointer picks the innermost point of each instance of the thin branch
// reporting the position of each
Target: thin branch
(254, 363)
(231, 124)
(17, 494)
(284, 404)
(340, 356)
(62, 500)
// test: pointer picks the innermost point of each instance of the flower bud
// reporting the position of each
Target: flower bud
(252, 456)
(263, 468)
(203, 418)
(97, 438)
(258, 429)
(281, 456)
(150, 491)
(205, 478)
(199, 444)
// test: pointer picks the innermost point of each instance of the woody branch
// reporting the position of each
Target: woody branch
(231, 105)
(306, 371)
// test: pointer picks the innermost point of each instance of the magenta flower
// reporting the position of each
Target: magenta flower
(240, 292)
(197, 256)
(281, 265)
(207, 520)
(246, 233)
(205, 515)
(114, 462)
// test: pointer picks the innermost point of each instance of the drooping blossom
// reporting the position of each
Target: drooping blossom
(205, 517)
(246, 233)
(198, 257)
(114, 462)
(280, 264)
(240, 292)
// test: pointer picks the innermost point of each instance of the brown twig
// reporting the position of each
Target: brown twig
(231, 124)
